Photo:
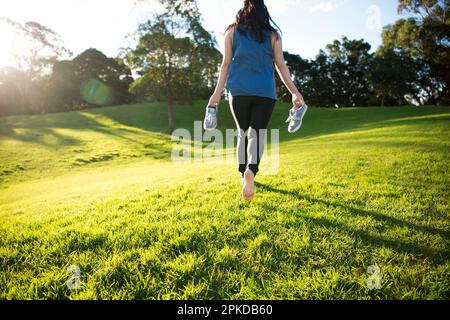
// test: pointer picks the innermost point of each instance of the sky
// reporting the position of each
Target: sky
(307, 25)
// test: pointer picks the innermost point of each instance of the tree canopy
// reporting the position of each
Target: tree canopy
(176, 58)
(424, 37)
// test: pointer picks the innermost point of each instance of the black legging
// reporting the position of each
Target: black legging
(252, 115)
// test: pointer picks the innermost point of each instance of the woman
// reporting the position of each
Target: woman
(252, 45)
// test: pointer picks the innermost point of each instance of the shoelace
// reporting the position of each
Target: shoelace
(294, 115)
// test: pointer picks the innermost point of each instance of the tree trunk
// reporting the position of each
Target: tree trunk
(171, 121)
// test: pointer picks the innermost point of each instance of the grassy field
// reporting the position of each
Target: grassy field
(97, 189)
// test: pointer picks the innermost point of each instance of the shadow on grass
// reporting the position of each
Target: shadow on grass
(37, 136)
(398, 245)
(156, 144)
(332, 121)
(152, 118)
(42, 130)
(35, 129)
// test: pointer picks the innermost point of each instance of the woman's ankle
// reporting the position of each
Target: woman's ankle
(253, 169)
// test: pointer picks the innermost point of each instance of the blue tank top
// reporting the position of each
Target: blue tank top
(252, 71)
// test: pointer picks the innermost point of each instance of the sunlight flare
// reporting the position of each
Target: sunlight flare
(13, 45)
(6, 38)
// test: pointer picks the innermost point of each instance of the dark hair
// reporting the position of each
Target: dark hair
(256, 17)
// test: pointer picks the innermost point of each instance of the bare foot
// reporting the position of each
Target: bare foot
(248, 188)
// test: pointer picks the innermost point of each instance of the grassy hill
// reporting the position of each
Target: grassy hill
(98, 189)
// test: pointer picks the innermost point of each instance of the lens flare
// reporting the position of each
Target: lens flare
(96, 92)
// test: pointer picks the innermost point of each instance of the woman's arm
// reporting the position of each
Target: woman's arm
(224, 69)
(283, 71)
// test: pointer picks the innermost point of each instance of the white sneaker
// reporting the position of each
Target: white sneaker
(295, 119)
(210, 122)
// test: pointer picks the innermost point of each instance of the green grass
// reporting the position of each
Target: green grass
(97, 189)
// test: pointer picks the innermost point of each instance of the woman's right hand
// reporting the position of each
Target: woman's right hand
(214, 100)
(297, 100)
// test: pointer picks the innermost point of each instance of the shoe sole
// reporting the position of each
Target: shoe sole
(209, 129)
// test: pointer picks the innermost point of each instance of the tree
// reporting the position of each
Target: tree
(93, 64)
(175, 59)
(12, 101)
(425, 37)
(40, 47)
(338, 76)
(321, 83)
(164, 63)
(41, 43)
(347, 64)
(392, 76)
(424, 9)
(68, 77)
(63, 89)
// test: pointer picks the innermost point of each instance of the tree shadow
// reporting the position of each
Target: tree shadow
(37, 129)
(367, 237)
(320, 122)
(152, 117)
(157, 145)
(42, 130)
(38, 136)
